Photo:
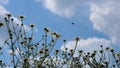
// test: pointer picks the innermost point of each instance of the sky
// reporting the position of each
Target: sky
(97, 22)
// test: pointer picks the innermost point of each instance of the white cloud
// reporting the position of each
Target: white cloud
(64, 8)
(4, 2)
(3, 30)
(88, 45)
(104, 14)
(105, 17)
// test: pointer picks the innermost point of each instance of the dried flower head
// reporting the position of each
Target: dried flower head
(56, 51)
(101, 51)
(46, 49)
(32, 25)
(101, 46)
(40, 51)
(21, 17)
(46, 30)
(1, 24)
(80, 51)
(12, 19)
(77, 38)
(30, 38)
(107, 48)
(55, 34)
(112, 50)
(64, 40)
(8, 15)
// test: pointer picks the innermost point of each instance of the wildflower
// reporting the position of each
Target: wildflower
(32, 25)
(56, 51)
(17, 24)
(69, 53)
(101, 51)
(21, 24)
(80, 51)
(10, 34)
(106, 63)
(0, 48)
(71, 50)
(25, 60)
(113, 65)
(66, 48)
(21, 17)
(52, 41)
(1, 24)
(64, 40)
(112, 50)
(43, 44)
(0, 62)
(5, 19)
(40, 51)
(118, 54)
(95, 51)
(8, 15)
(30, 38)
(12, 19)
(101, 46)
(46, 49)
(107, 48)
(117, 61)
(21, 43)
(56, 35)
(31, 47)
(46, 30)
(77, 38)
(88, 53)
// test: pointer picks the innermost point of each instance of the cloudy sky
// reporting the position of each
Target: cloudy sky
(96, 22)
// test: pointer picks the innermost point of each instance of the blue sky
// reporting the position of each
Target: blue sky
(96, 22)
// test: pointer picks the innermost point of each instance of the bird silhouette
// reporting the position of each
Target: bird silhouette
(72, 23)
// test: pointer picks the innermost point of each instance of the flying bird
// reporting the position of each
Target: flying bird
(72, 23)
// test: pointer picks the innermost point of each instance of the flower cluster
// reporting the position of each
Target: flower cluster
(29, 53)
